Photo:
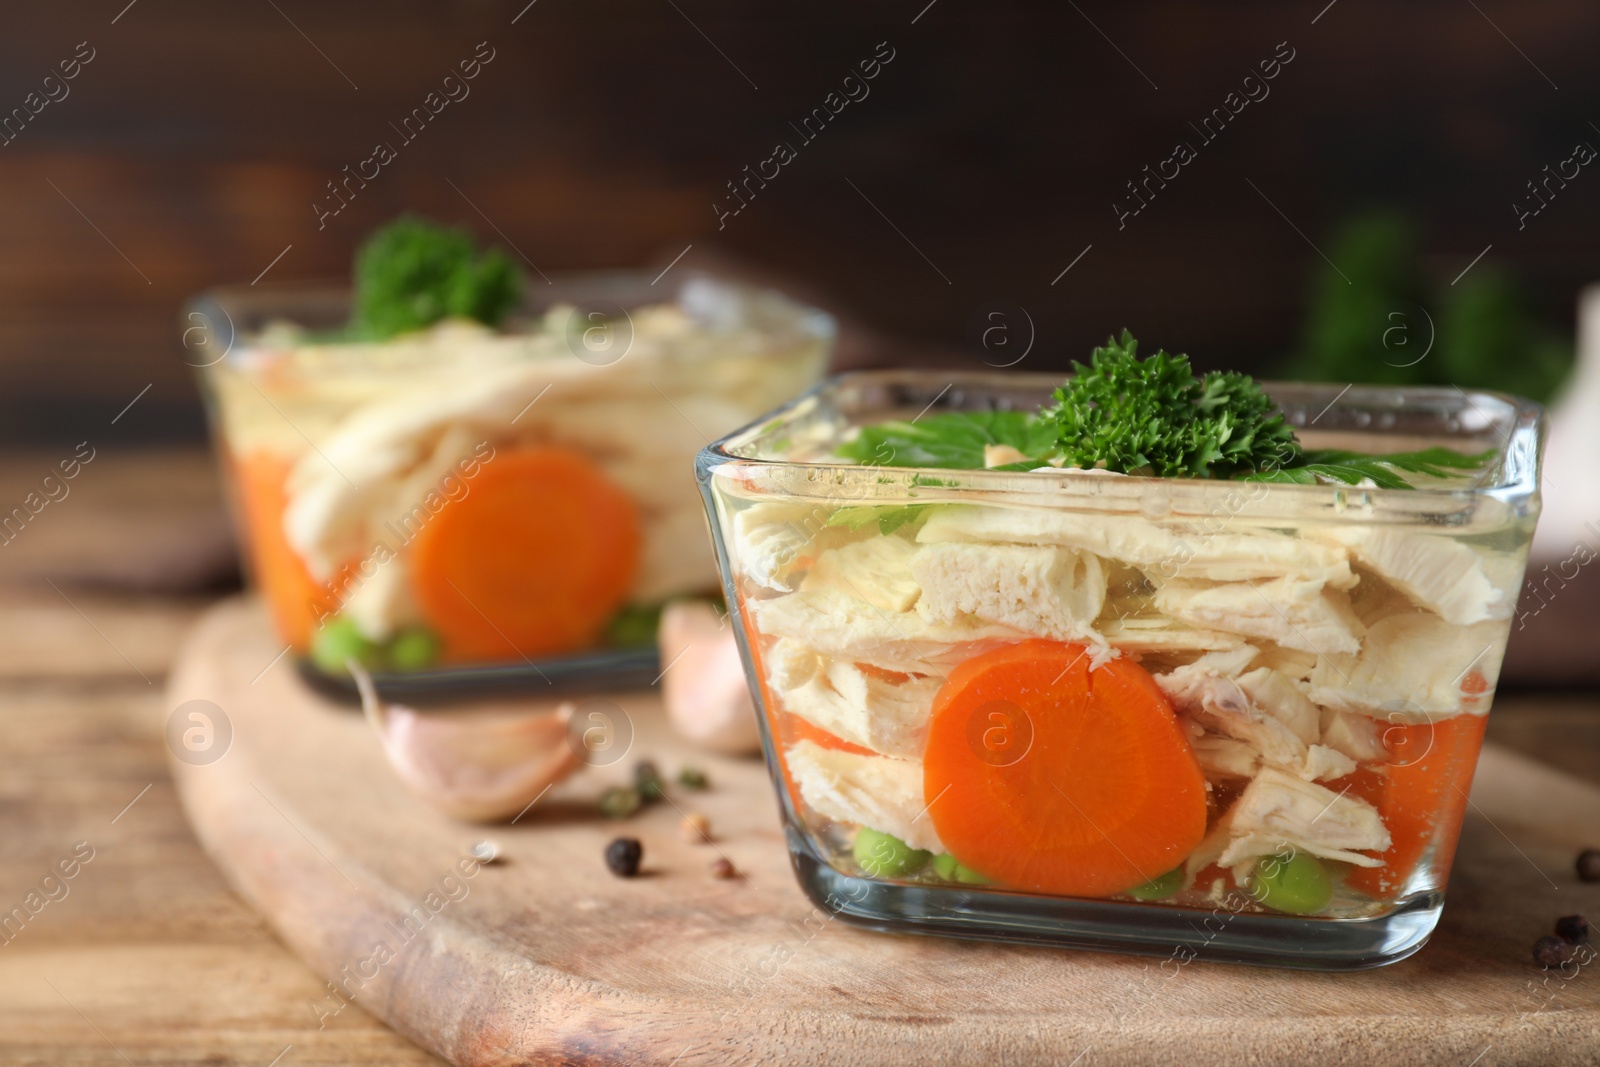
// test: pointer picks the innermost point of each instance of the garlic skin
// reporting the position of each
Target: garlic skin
(703, 684)
(477, 766)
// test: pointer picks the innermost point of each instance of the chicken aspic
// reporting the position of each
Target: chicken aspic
(454, 477)
(1061, 699)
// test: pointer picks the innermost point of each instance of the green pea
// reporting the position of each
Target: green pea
(1159, 888)
(339, 640)
(950, 869)
(413, 649)
(886, 856)
(1295, 883)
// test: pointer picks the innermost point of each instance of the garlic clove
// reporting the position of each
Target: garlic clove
(478, 766)
(703, 686)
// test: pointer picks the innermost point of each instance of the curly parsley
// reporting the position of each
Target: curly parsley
(1153, 416)
(412, 273)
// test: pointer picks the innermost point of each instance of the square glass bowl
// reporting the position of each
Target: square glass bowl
(466, 507)
(1227, 720)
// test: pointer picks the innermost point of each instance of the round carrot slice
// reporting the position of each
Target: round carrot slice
(1048, 776)
(298, 602)
(531, 562)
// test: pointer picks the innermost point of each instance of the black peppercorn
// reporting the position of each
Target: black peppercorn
(1551, 952)
(623, 856)
(1573, 929)
(1589, 865)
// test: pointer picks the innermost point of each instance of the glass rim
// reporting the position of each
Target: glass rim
(1517, 456)
(233, 315)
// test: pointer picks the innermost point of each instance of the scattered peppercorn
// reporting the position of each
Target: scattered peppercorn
(1589, 865)
(619, 803)
(692, 778)
(695, 828)
(1551, 952)
(623, 856)
(1573, 929)
(647, 781)
(722, 867)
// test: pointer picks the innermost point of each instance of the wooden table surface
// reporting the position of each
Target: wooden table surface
(148, 957)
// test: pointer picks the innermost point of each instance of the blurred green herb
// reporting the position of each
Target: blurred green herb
(1350, 335)
(412, 273)
(1369, 320)
(1489, 340)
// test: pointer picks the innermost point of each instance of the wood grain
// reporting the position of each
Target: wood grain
(548, 959)
(168, 963)
(150, 954)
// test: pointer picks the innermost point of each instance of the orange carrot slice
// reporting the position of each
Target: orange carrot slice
(1421, 797)
(297, 601)
(531, 562)
(1044, 775)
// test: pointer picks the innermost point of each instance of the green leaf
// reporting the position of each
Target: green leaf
(1433, 462)
(1322, 473)
(954, 439)
(1351, 468)
(412, 273)
(889, 517)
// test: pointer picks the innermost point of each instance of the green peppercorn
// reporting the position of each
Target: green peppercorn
(692, 778)
(647, 782)
(619, 803)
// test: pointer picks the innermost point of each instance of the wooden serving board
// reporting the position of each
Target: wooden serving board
(549, 959)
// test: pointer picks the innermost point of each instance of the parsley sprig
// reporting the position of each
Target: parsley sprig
(1148, 416)
(1153, 416)
(412, 273)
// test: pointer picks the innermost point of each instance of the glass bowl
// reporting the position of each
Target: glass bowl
(1193, 718)
(466, 508)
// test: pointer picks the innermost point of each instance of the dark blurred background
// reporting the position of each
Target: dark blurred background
(985, 160)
